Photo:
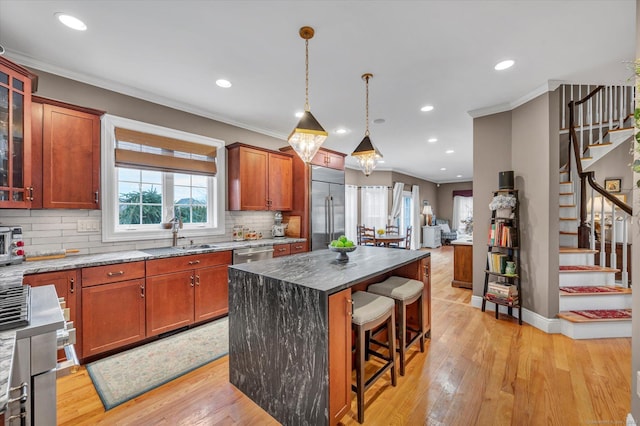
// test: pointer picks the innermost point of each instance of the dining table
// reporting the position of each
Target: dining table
(384, 239)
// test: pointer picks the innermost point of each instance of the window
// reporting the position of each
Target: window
(152, 174)
(462, 210)
(374, 206)
(406, 212)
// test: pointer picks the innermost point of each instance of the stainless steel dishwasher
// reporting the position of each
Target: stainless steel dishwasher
(252, 254)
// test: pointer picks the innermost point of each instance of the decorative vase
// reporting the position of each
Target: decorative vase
(510, 268)
(506, 213)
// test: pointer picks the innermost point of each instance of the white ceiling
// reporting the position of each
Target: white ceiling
(420, 52)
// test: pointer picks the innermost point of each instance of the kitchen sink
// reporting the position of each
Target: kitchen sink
(198, 247)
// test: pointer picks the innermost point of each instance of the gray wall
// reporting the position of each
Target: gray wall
(608, 167)
(491, 154)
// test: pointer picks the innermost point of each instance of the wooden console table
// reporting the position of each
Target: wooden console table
(462, 263)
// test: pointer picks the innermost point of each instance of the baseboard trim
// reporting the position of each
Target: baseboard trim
(548, 325)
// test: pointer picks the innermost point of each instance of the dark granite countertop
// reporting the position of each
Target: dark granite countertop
(321, 271)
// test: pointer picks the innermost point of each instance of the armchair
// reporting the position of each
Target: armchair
(448, 234)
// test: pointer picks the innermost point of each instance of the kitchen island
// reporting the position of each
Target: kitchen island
(290, 327)
(463, 262)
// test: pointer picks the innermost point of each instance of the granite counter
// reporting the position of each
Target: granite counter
(282, 323)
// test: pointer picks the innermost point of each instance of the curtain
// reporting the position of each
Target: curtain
(374, 206)
(415, 233)
(462, 209)
(351, 212)
(397, 202)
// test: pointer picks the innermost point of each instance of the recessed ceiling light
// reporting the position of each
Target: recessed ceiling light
(380, 161)
(71, 21)
(341, 131)
(426, 108)
(504, 65)
(299, 114)
(449, 151)
(379, 120)
(458, 176)
(432, 140)
(443, 168)
(223, 83)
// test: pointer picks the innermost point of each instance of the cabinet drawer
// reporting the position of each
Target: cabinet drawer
(112, 273)
(184, 263)
(281, 250)
(298, 247)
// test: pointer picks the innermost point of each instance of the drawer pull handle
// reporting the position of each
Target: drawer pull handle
(282, 249)
(72, 285)
(142, 291)
(115, 274)
(191, 280)
(194, 262)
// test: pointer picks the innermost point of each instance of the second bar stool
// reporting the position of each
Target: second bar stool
(404, 291)
(369, 312)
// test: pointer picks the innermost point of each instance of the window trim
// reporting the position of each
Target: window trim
(109, 179)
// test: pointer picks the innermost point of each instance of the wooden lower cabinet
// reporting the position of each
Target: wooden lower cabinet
(339, 355)
(462, 266)
(68, 287)
(114, 315)
(169, 301)
(212, 293)
(290, 248)
(424, 275)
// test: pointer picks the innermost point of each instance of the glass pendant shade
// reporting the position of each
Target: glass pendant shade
(367, 156)
(307, 137)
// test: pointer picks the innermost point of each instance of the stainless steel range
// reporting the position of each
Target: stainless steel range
(32, 396)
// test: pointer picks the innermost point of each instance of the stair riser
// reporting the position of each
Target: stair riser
(597, 301)
(567, 199)
(586, 278)
(568, 240)
(568, 212)
(564, 177)
(569, 225)
(566, 186)
(576, 259)
(596, 330)
(615, 138)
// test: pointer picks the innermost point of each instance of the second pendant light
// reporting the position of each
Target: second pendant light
(366, 154)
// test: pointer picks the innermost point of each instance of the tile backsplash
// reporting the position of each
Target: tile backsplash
(46, 230)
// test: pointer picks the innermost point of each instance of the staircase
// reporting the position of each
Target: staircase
(585, 287)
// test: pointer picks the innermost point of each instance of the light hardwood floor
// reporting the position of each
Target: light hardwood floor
(476, 370)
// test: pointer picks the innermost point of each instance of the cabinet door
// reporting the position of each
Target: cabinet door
(298, 247)
(114, 316)
(339, 355)
(68, 287)
(329, 159)
(212, 293)
(280, 182)
(15, 136)
(253, 182)
(169, 301)
(70, 159)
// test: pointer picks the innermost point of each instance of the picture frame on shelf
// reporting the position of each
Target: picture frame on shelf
(612, 185)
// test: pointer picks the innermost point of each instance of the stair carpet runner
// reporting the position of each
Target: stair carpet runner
(594, 307)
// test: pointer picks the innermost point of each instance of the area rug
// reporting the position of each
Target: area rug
(591, 289)
(605, 314)
(128, 374)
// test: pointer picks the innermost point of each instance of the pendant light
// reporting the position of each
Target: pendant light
(308, 135)
(366, 154)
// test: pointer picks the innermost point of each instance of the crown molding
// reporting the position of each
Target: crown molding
(549, 86)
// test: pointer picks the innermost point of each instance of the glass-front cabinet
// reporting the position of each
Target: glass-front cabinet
(15, 135)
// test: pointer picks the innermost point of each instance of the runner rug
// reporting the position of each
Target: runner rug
(605, 314)
(128, 374)
(590, 289)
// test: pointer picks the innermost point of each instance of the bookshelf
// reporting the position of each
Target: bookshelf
(502, 274)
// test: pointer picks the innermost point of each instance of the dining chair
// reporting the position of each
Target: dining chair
(366, 236)
(407, 241)
(392, 229)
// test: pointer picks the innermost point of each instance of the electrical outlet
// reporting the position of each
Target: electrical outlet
(88, 225)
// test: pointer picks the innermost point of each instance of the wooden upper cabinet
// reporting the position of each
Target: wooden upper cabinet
(66, 155)
(15, 135)
(328, 158)
(259, 179)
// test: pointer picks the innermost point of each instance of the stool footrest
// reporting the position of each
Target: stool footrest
(373, 378)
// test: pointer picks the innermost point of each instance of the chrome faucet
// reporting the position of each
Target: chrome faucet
(176, 225)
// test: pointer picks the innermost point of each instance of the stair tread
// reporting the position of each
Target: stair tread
(586, 268)
(586, 158)
(597, 145)
(622, 129)
(568, 233)
(573, 317)
(618, 291)
(567, 205)
(577, 250)
(566, 193)
(568, 218)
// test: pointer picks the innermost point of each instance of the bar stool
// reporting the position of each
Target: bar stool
(403, 291)
(369, 312)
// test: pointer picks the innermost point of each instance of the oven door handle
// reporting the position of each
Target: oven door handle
(70, 365)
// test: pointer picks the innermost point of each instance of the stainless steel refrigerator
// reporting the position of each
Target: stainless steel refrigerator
(327, 206)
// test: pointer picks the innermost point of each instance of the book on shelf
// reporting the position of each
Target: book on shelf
(508, 300)
(497, 262)
(502, 289)
(501, 234)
